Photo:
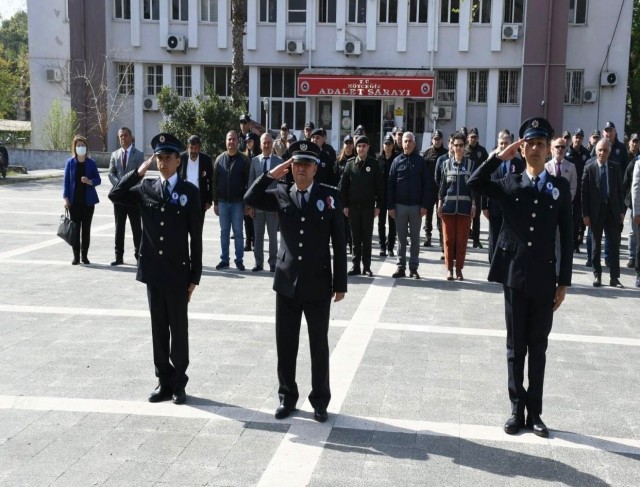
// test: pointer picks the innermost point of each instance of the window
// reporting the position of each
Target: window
(577, 11)
(279, 85)
(418, 11)
(268, 10)
(446, 81)
(151, 10)
(297, 11)
(124, 74)
(478, 86)
(154, 79)
(388, 11)
(327, 11)
(123, 9)
(357, 11)
(573, 87)
(182, 82)
(180, 10)
(450, 11)
(481, 11)
(209, 10)
(219, 78)
(508, 87)
(513, 11)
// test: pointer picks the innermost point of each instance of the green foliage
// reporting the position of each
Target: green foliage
(207, 115)
(633, 84)
(59, 127)
(14, 65)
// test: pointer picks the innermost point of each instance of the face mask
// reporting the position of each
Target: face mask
(81, 150)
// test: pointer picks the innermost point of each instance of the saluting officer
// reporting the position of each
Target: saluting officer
(362, 196)
(170, 262)
(310, 217)
(534, 204)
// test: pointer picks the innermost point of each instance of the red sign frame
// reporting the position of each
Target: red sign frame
(365, 86)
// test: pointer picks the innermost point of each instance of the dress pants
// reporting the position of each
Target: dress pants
(267, 219)
(495, 225)
(611, 226)
(456, 234)
(475, 226)
(386, 242)
(361, 222)
(82, 215)
(408, 220)
(529, 319)
(121, 212)
(288, 317)
(170, 334)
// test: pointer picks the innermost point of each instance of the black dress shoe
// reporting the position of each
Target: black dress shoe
(606, 262)
(539, 428)
(413, 274)
(282, 411)
(240, 266)
(222, 265)
(391, 253)
(383, 253)
(477, 245)
(257, 268)
(615, 283)
(247, 247)
(597, 281)
(161, 394)
(631, 264)
(320, 414)
(367, 272)
(117, 262)
(75, 261)
(427, 242)
(514, 424)
(179, 397)
(400, 272)
(588, 263)
(85, 260)
(355, 271)
(272, 268)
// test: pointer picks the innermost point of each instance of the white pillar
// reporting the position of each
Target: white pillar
(372, 24)
(341, 24)
(252, 25)
(192, 35)
(464, 24)
(138, 97)
(135, 25)
(492, 106)
(281, 25)
(223, 23)
(163, 28)
(196, 79)
(497, 7)
(403, 20)
(462, 88)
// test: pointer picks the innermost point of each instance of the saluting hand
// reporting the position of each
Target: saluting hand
(510, 152)
(281, 170)
(145, 166)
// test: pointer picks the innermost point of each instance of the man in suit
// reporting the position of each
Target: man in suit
(197, 168)
(603, 210)
(533, 204)
(123, 161)
(490, 207)
(310, 217)
(560, 167)
(170, 259)
(259, 165)
(635, 212)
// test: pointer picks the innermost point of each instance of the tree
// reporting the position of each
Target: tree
(633, 84)
(59, 127)
(207, 115)
(14, 67)
(238, 71)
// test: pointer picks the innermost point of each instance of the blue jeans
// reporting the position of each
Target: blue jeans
(231, 215)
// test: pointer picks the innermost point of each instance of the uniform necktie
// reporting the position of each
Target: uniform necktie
(165, 189)
(264, 164)
(505, 166)
(558, 173)
(535, 183)
(124, 161)
(604, 191)
(303, 198)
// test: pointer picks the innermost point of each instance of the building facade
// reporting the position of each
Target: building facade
(422, 64)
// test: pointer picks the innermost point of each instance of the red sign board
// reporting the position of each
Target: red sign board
(365, 86)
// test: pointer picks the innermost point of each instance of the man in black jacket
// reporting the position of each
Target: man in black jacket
(431, 156)
(197, 168)
(478, 154)
(579, 155)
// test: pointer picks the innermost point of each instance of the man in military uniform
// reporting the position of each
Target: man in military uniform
(361, 195)
(397, 137)
(478, 154)
(534, 204)
(170, 262)
(579, 155)
(326, 172)
(245, 128)
(431, 156)
(310, 218)
(593, 140)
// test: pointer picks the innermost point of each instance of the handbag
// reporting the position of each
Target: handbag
(67, 229)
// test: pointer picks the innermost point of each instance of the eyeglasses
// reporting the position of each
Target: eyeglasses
(560, 146)
(458, 145)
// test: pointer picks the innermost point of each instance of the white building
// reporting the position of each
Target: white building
(475, 63)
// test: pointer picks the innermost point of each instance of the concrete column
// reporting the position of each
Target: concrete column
(254, 99)
(135, 25)
(252, 25)
(223, 23)
(372, 24)
(163, 25)
(491, 127)
(497, 7)
(196, 79)
(462, 88)
(341, 24)
(138, 97)
(281, 25)
(403, 20)
(464, 25)
(192, 36)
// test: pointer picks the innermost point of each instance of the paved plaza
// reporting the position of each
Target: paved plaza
(418, 374)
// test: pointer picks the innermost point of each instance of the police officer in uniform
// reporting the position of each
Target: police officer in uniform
(310, 218)
(170, 261)
(534, 204)
(478, 154)
(579, 155)
(326, 169)
(431, 156)
(361, 195)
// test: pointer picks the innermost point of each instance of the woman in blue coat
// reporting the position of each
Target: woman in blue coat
(80, 197)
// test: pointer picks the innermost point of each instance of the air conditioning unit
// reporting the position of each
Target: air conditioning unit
(608, 78)
(353, 48)
(176, 43)
(445, 113)
(590, 95)
(510, 32)
(295, 46)
(150, 104)
(54, 75)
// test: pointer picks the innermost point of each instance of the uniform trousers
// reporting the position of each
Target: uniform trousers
(428, 222)
(267, 219)
(288, 317)
(82, 215)
(529, 319)
(495, 224)
(121, 212)
(408, 219)
(361, 222)
(456, 234)
(475, 226)
(170, 334)
(387, 242)
(578, 224)
(610, 225)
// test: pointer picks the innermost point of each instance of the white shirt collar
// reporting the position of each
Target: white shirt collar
(172, 181)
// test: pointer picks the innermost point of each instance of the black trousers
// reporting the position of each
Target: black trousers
(121, 212)
(578, 223)
(495, 224)
(248, 229)
(475, 225)
(82, 215)
(288, 317)
(428, 222)
(611, 226)
(170, 334)
(390, 242)
(529, 320)
(361, 222)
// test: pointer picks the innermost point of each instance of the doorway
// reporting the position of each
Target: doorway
(368, 113)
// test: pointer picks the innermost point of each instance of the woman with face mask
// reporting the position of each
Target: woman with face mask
(80, 197)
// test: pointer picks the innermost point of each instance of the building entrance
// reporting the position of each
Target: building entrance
(368, 113)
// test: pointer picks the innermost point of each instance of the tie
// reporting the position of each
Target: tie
(124, 161)
(534, 183)
(505, 168)
(265, 165)
(303, 199)
(558, 173)
(165, 189)
(604, 190)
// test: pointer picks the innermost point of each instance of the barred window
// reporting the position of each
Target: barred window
(154, 79)
(418, 10)
(122, 9)
(182, 81)
(577, 11)
(573, 87)
(327, 11)
(478, 86)
(219, 78)
(509, 87)
(357, 11)
(388, 13)
(450, 11)
(446, 82)
(180, 10)
(279, 85)
(268, 11)
(297, 11)
(513, 11)
(124, 73)
(151, 10)
(209, 10)
(481, 11)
